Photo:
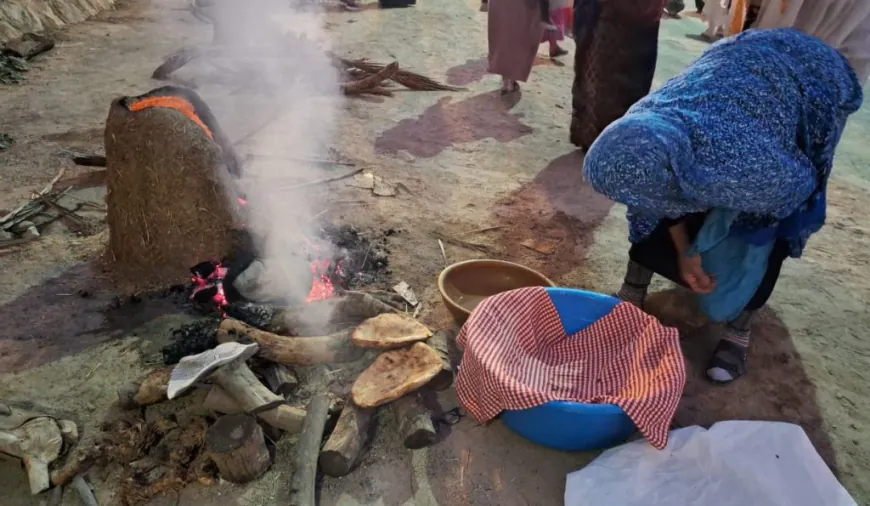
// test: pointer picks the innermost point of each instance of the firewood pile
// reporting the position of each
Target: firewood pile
(272, 376)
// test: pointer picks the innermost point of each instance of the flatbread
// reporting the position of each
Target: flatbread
(394, 374)
(389, 330)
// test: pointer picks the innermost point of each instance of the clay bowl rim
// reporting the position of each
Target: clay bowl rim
(504, 263)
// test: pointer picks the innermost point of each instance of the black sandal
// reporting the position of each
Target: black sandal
(728, 358)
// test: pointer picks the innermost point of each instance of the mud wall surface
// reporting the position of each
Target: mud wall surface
(22, 16)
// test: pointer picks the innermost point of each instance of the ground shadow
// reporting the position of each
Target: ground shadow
(447, 123)
(69, 314)
(776, 388)
(469, 72)
(335, 8)
(473, 70)
(549, 223)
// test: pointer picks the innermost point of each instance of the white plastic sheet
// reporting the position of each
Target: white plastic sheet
(732, 464)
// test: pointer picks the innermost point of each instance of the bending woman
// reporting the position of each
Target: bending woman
(724, 171)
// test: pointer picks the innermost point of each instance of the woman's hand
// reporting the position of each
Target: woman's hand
(693, 274)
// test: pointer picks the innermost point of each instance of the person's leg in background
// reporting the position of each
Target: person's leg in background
(558, 17)
(544, 5)
(675, 7)
(614, 62)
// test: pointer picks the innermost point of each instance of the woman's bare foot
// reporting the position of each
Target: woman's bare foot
(509, 86)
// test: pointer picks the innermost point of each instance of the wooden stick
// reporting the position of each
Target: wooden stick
(84, 491)
(335, 348)
(303, 484)
(440, 342)
(149, 391)
(324, 180)
(286, 418)
(371, 81)
(90, 160)
(345, 446)
(415, 422)
(175, 61)
(280, 379)
(237, 379)
(76, 465)
(236, 445)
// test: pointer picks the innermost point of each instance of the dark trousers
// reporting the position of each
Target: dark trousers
(658, 254)
(545, 10)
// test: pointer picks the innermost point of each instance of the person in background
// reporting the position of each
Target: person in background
(724, 172)
(557, 26)
(844, 24)
(514, 29)
(617, 46)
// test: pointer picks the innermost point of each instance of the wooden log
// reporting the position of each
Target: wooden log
(345, 446)
(280, 379)
(76, 464)
(346, 309)
(150, 390)
(286, 418)
(415, 421)
(371, 81)
(84, 491)
(332, 349)
(37, 443)
(440, 342)
(236, 445)
(303, 484)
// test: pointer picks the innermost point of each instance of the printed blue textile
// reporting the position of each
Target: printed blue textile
(739, 266)
(750, 127)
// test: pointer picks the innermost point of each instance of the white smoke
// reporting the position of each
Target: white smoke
(281, 52)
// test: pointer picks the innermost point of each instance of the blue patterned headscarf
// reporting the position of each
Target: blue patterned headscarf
(750, 126)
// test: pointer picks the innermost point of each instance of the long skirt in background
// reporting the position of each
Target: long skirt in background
(561, 19)
(617, 46)
(514, 29)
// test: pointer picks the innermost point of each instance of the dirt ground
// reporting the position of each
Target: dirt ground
(471, 160)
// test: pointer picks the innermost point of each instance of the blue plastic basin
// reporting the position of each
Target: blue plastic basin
(574, 426)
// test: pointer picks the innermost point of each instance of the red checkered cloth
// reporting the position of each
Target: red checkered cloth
(518, 356)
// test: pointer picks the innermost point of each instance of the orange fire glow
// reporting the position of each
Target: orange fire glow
(321, 287)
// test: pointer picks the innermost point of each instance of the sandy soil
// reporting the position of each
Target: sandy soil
(471, 160)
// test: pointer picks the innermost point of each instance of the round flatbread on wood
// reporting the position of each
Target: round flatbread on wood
(395, 373)
(389, 330)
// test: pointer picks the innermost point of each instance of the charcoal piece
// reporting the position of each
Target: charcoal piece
(191, 339)
(360, 259)
(258, 316)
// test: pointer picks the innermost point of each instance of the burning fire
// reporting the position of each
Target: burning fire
(321, 287)
(206, 277)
